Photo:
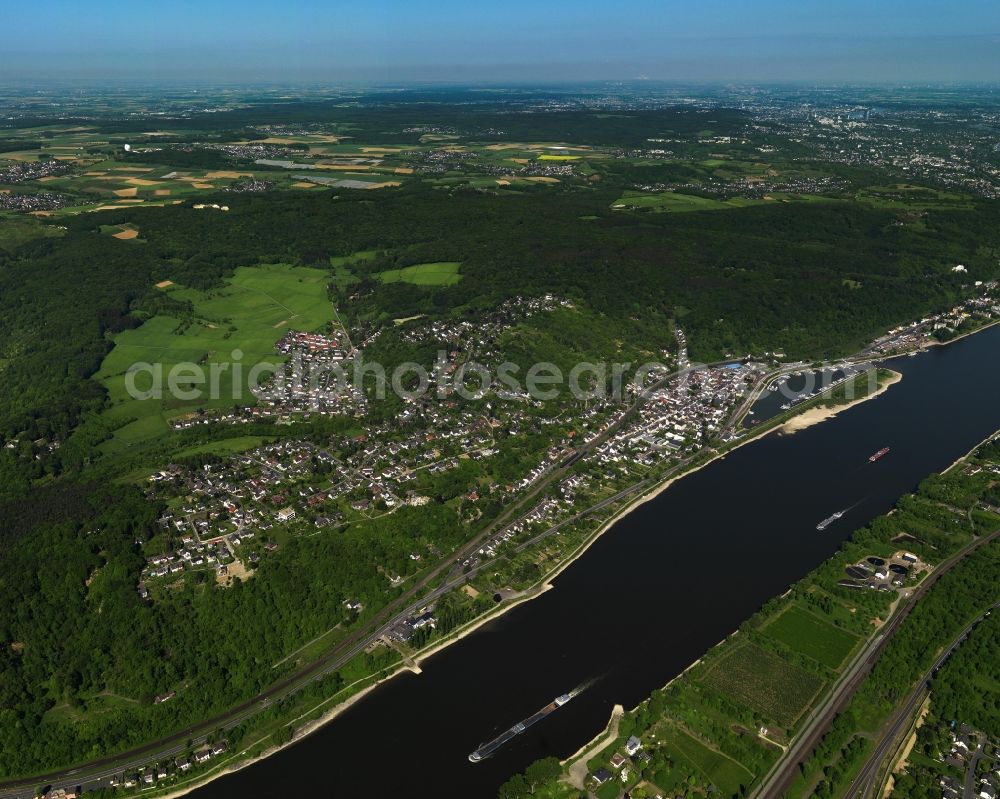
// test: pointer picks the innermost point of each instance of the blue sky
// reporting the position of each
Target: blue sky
(389, 40)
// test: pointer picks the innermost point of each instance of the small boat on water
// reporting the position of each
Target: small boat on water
(830, 520)
(878, 455)
(487, 749)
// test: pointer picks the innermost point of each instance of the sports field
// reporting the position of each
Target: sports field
(442, 273)
(805, 632)
(235, 323)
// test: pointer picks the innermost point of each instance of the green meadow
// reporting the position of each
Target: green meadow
(805, 632)
(670, 201)
(16, 230)
(675, 201)
(442, 273)
(915, 198)
(717, 769)
(236, 323)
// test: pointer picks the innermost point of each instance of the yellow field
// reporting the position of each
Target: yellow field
(126, 192)
(164, 284)
(403, 170)
(143, 182)
(503, 182)
(126, 234)
(161, 192)
(203, 185)
(345, 167)
(225, 174)
(386, 185)
(303, 185)
(132, 168)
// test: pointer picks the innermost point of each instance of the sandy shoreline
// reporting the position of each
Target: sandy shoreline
(300, 733)
(801, 421)
(821, 413)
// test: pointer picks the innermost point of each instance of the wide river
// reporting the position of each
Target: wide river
(647, 599)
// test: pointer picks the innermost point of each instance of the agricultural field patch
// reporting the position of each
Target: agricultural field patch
(442, 273)
(725, 773)
(671, 201)
(764, 682)
(15, 230)
(121, 232)
(674, 202)
(807, 633)
(241, 315)
(914, 198)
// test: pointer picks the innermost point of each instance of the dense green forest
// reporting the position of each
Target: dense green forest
(965, 694)
(81, 645)
(813, 280)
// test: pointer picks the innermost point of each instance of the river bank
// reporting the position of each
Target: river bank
(529, 653)
(936, 343)
(243, 762)
(576, 763)
(542, 586)
(809, 417)
(820, 413)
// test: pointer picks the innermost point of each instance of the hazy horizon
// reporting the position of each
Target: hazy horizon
(393, 42)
